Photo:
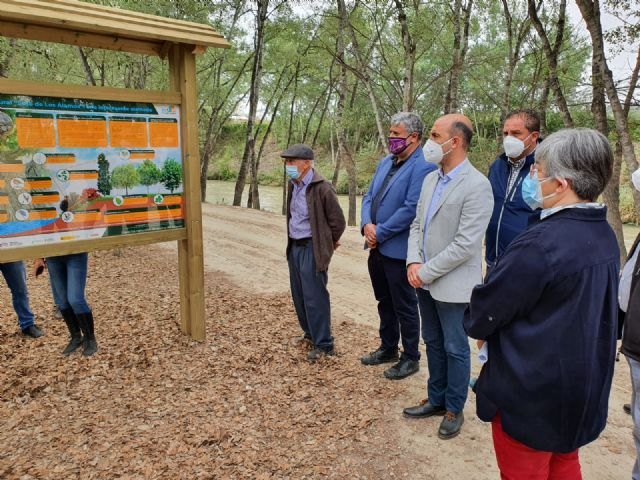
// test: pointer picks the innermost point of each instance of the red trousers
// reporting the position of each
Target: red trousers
(516, 461)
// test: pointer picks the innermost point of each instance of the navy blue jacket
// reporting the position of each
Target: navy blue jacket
(548, 310)
(397, 207)
(510, 212)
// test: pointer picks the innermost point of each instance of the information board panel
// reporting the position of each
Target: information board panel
(76, 169)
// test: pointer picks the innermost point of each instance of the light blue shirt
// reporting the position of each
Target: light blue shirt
(443, 180)
(299, 226)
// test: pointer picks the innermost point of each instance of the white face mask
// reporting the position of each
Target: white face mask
(433, 151)
(513, 147)
(635, 179)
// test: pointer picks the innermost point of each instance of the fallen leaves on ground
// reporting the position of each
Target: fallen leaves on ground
(154, 404)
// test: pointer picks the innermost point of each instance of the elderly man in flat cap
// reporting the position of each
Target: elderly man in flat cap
(315, 223)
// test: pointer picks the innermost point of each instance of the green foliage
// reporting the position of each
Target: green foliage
(104, 178)
(149, 174)
(171, 174)
(125, 176)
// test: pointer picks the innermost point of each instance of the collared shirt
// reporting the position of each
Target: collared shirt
(443, 180)
(547, 212)
(514, 171)
(299, 226)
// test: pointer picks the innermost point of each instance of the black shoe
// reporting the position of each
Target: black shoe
(424, 410)
(74, 330)
(402, 369)
(627, 408)
(380, 356)
(317, 353)
(89, 344)
(450, 426)
(32, 331)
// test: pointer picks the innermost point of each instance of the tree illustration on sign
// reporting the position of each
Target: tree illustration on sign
(104, 179)
(171, 174)
(125, 177)
(149, 174)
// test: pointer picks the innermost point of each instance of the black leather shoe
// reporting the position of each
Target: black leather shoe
(402, 369)
(627, 408)
(450, 426)
(317, 353)
(424, 410)
(380, 356)
(33, 332)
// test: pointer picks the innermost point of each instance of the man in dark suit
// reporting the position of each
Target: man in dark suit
(388, 208)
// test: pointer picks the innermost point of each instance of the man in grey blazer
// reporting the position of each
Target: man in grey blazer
(444, 263)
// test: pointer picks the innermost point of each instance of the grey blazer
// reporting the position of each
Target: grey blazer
(453, 245)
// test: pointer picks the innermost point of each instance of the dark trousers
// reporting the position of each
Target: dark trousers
(310, 295)
(397, 304)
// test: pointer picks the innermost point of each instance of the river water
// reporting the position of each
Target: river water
(221, 193)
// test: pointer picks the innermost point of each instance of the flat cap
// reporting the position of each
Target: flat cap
(298, 151)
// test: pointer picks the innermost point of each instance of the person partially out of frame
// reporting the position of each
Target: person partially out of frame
(548, 311)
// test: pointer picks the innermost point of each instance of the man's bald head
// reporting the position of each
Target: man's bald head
(459, 125)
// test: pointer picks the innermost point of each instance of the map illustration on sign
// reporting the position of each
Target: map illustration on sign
(73, 169)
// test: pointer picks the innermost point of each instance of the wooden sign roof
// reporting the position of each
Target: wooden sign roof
(85, 24)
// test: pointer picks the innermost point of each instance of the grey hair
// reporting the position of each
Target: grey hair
(410, 121)
(582, 156)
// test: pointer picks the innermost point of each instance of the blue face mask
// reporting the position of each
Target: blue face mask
(292, 171)
(532, 191)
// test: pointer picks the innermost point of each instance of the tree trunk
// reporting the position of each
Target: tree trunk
(591, 13)
(88, 73)
(461, 20)
(254, 93)
(409, 59)
(343, 149)
(552, 53)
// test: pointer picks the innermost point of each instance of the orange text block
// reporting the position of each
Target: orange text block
(39, 184)
(144, 216)
(4, 217)
(35, 131)
(172, 200)
(79, 131)
(4, 199)
(128, 132)
(86, 217)
(142, 155)
(60, 158)
(49, 197)
(42, 214)
(83, 175)
(136, 201)
(164, 133)
(11, 168)
(3, 184)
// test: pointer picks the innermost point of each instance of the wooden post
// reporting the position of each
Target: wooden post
(182, 65)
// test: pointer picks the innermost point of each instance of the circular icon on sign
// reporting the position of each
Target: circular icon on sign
(24, 198)
(17, 183)
(118, 201)
(158, 199)
(125, 154)
(40, 158)
(22, 215)
(67, 217)
(63, 175)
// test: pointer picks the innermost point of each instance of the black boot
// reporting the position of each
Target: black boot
(74, 329)
(90, 346)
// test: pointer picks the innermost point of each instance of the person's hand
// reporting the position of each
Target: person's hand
(480, 343)
(412, 275)
(370, 234)
(38, 266)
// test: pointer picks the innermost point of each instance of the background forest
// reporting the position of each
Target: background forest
(331, 73)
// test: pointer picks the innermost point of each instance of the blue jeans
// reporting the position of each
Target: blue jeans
(310, 295)
(634, 366)
(16, 278)
(448, 353)
(68, 275)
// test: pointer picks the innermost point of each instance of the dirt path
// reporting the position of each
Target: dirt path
(247, 246)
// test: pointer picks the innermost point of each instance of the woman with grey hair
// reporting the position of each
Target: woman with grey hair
(548, 311)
